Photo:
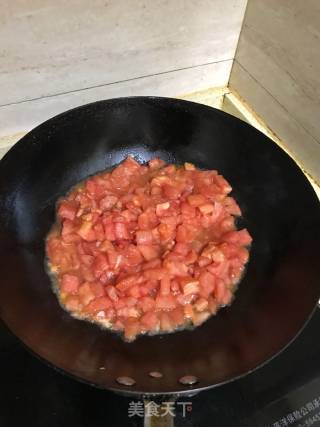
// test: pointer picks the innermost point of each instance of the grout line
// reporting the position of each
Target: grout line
(113, 83)
(276, 100)
(234, 59)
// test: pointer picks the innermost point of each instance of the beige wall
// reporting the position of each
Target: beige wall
(56, 54)
(277, 71)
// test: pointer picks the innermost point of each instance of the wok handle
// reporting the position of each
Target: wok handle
(161, 417)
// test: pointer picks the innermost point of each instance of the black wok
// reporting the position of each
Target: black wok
(276, 297)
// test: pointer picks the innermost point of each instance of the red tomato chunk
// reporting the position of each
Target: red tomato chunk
(148, 248)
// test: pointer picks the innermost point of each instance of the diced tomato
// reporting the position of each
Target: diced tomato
(102, 303)
(188, 311)
(243, 255)
(185, 233)
(165, 302)
(146, 304)
(186, 299)
(231, 206)
(86, 294)
(241, 237)
(68, 209)
(97, 289)
(167, 232)
(199, 318)
(86, 259)
(151, 321)
(189, 285)
(213, 305)
(114, 258)
(149, 288)
(131, 329)
(156, 163)
(126, 283)
(219, 290)
(155, 263)
(207, 284)
(227, 297)
(166, 323)
(70, 284)
(165, 286)
(112, 293)
(191, 258)
(86, 231)
(177, 316)
(148, 248)
(201, 304)
(87, 273)
(181, 248)
(144, 237)
(196, 200)
(109, 230)
(176, 268)
(121, 231)
(108, 202)
(175, 287)
(227, 224)
(207, 208)
(67, 227)
(132, 256)
(155, 273)
(187, 210)
(118, 325)
(99, 232)
(134, 291)
(223, 184)
(147, 220)
(128, 312)
(73, 303)
(162, 208)
(149, 252)
(171, 192)
(100, 265)
(203, 261)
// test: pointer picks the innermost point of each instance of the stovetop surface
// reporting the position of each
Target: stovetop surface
(33, 394)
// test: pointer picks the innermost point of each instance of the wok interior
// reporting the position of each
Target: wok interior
(275, 297)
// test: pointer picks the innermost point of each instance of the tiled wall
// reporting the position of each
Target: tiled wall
(56, 54)
(277, 71)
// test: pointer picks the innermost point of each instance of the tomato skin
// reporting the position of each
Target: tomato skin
(148, 248)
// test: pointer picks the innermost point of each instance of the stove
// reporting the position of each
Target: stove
(285, 392)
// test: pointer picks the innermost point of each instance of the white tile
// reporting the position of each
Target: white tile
(24, 116)
(49, 47)
(280, 48)
(303, 147)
